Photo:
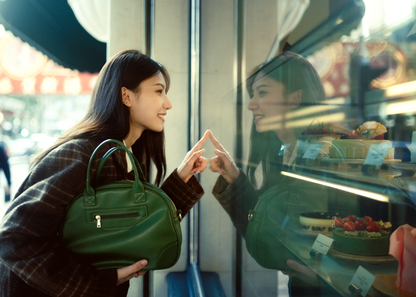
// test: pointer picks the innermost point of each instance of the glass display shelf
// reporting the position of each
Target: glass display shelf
(385, 181)
(337, 271)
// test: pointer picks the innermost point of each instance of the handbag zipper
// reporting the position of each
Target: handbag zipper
(178, 211)
(114, 216)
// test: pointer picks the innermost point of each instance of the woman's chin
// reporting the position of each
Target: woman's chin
(157, 130)
(261, 128)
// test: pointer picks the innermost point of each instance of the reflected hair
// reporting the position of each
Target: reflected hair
(294, 72)
(107, 117)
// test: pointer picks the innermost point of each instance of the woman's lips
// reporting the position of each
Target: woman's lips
(162, 117)
(257, 118)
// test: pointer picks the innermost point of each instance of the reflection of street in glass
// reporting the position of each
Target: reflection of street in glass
(19, 168)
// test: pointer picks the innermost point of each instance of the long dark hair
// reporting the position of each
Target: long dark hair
(294, 72)
(108, 118)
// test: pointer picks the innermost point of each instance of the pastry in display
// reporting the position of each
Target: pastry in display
(321, 136)
(361, 236)
(317, 222)
(356, 143)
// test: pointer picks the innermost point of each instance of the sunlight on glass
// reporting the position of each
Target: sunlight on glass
(401, 107)
(367, 194)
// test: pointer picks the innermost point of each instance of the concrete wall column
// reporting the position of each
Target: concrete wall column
(125, 26)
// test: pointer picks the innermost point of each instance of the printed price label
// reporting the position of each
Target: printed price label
(322, 244)
(312, 151)
(377, 153)
(363, 280)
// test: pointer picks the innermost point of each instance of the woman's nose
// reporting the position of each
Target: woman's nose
(167, 104)
(252, 105)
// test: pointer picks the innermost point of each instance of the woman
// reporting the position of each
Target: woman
(280, 91)
(129, 103)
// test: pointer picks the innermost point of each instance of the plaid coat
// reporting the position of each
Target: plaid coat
(32, 260)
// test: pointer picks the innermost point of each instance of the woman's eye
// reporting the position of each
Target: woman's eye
(160, 91)
(261, 93)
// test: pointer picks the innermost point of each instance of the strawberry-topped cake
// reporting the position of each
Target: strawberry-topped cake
(361, 236)
(356, 143)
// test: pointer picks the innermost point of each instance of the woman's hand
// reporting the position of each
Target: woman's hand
(223, 163)
(194, 162)
(302, 272)
(126, 273)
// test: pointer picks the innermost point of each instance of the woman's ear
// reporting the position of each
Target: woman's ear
(296, 98)
(125, 97)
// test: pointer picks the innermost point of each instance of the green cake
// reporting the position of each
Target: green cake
(361, 243)
(361, 236)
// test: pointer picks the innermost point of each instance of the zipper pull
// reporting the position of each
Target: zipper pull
(250, 215)
(98, 218)
(179, 215)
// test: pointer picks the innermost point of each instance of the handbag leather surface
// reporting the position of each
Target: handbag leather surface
(264, 234)
(118, 224)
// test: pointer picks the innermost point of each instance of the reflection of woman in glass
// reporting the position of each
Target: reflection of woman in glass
(279, 90)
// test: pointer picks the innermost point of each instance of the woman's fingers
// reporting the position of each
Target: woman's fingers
(216, 165)
(224, 156)
(186, 169)
(213, 164)
(301, 268)
(126, 273)
(200, 165)
(215, 142)
(201, 142)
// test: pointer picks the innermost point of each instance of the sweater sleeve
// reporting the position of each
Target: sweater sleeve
(184, 195)
(237, 199)
(30, 247)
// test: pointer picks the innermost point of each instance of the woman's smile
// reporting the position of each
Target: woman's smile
(162, 117)
(257, 117)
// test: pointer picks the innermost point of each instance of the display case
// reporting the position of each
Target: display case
(324, 132)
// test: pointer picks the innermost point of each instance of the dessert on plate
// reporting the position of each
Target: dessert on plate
(361, 236)
(317, 222)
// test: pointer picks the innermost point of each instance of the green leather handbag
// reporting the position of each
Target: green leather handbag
(118, 224)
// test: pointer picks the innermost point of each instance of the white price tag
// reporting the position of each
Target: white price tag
(322, 244)
(363, 280)
(312, 151)
(377, 153)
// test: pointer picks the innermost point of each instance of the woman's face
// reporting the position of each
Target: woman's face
(268, 104)
(149, 106)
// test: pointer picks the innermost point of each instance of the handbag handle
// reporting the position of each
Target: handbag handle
(138, 187)
(109, 153)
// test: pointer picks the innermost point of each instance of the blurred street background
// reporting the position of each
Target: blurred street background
(19, 168)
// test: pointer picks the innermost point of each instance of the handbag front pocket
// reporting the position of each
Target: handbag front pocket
(116, 218)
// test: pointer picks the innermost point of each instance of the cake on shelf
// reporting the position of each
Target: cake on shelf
(321, 136)
(356, 143)
(317, 222)
(362, 237)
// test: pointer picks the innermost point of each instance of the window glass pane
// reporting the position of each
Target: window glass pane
(321, 136)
